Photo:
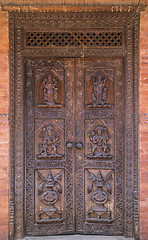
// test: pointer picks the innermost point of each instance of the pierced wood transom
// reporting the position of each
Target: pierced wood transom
(97, 39)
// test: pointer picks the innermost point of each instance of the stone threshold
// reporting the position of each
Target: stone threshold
(78, 237)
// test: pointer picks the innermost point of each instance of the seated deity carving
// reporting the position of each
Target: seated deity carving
(50, 142)
(98, 145)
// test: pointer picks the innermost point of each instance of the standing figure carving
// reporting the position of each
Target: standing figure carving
(99, 92)
(50, 90)
(50, 145)
(99, 147)
(99, 196)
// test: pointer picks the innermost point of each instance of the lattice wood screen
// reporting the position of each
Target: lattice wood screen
(91, 39)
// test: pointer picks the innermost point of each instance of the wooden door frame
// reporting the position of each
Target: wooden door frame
(128, 22)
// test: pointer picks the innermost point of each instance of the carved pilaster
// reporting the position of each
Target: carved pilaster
(11, 219)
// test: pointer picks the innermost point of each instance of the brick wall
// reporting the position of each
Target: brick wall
(144, 125)
(4, 127)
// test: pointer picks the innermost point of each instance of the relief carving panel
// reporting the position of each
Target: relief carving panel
(49, 85)
(99, 88)
(49, 195)
(104, 89)
(99, 139)
(49, 138)
(99, 195)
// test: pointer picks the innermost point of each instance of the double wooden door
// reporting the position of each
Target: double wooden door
(74, 146)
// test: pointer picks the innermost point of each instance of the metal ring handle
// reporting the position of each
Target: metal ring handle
(69, 145)
(79, 145)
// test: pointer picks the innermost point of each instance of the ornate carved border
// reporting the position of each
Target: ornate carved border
(129, 23)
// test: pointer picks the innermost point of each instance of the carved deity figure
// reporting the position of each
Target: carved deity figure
(99, 92)
(50, 90)
(49, 145)
(99, 137)
(100, 196)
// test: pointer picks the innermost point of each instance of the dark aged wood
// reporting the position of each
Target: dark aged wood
(74, 126)
(102, 139)
(100, 196)
(49, 205)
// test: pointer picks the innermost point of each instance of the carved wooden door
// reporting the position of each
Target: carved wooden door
(74, 146)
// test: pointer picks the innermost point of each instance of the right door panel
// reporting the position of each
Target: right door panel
(99, 131)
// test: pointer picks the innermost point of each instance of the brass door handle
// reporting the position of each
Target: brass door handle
(79, 145)
(69, 145)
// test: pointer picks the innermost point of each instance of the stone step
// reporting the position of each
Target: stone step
(78, 237)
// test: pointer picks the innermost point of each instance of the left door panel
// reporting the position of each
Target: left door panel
(49, 138)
